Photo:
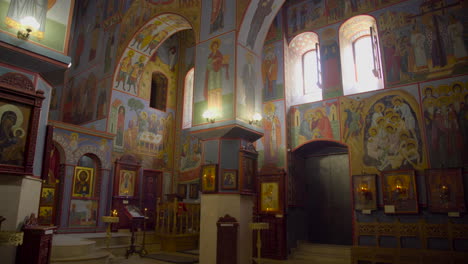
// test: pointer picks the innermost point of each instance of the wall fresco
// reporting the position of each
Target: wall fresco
(445, 110)
(248, 79)
(421, 41)
(272, 146)
(191, 153)
(314, 121)
(217, 18)
(53, 17)
(272, 72)
(383, 130)
(80, 95)
(142, 130)
(214, 82)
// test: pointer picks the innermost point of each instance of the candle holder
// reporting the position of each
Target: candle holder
(109, 220)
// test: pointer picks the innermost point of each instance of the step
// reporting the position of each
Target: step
(64, 246)
(324, 249)
(95, 257)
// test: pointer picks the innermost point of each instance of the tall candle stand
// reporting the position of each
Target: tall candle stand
(109, 220)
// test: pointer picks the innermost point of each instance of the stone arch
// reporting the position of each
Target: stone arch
(142, 47)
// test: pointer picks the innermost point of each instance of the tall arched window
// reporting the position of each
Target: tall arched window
(305, 68)
(159, 84)
(188, 99)
(360, 55)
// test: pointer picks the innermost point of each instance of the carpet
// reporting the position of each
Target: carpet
(173, 258)
(191, 252)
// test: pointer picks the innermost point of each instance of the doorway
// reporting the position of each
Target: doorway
(324, 169)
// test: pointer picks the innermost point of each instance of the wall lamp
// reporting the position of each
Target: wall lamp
(210, 116)
(29, 23)
(255, 118)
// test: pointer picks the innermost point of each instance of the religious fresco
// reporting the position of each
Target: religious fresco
(445, 110)
(248, 79)
(54, 18)
(76, 144)
(422, 40)
(80, 99)
(217, 18)
(142, 130)
(165, 62)
(142, 47)
(305, 16)
(314, 121)
(257, 21)
(214, 79)
(275, 33)
(271, 147)
(83, 213)
(383, 130)
(191, 153)
(330, 62)
(272, 72)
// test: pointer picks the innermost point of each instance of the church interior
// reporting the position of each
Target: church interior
(233, 131)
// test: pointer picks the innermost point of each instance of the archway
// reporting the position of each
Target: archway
(323, 167)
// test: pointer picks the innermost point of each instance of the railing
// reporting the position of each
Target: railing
(177, 218)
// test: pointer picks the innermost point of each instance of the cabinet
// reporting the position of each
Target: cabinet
(37, 245)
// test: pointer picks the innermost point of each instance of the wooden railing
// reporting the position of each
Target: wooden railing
(420, 231)
(177, 218)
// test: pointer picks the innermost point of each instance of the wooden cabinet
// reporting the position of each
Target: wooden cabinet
(37, 245)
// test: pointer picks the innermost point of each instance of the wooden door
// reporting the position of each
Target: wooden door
(152, 189)
(328, 199)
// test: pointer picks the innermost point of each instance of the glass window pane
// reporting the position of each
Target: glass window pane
(310, 72)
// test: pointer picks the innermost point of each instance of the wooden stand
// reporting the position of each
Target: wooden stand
(37, 243)
(259, 227)
(226, 250)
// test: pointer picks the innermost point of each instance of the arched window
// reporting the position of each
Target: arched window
(159, 84)
(188, 99)
(305, 69)
(360, 55)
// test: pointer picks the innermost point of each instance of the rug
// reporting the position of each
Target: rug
(191, 252)
(173, 258)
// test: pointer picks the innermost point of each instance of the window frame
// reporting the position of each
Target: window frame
(163, 109)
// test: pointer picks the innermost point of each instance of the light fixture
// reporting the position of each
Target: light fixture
(255, 118)
(210, 116)
(29, 23)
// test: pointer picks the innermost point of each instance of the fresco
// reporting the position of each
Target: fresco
(271, 147)
(256, 22)
(248, 79)
(214, 82)
(52, 16)
(330, 63)
(164, 61)
(383, 130)
(272, 73)
(315, 121)
(421, 41)
(217, 18)
(191, 153)
(275, 33)
(142, 130)
(80, 99)
(83, 213)
(305, 16)
(76, 144)
(143, 46)
(445, 109)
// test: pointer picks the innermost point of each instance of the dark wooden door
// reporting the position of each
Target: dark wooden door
(152, 188)
(328, 199)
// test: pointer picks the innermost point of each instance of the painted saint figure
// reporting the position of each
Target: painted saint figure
(264, 8)
(19, 9)
(124, 69)
(272, 138)
(213, 90)
(249, 81)
(270, 72)
(217, 15)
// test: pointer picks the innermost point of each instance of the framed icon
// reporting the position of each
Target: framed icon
(399, 192)
(365, 192)
(209, 178)
(229, 180)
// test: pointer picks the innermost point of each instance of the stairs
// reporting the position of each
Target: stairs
(91, 248)
(308, 253)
